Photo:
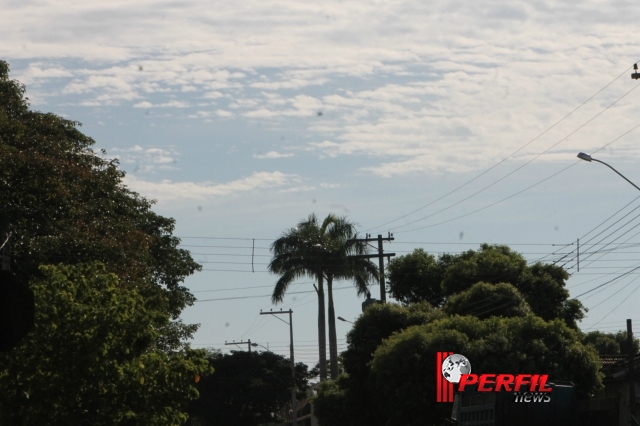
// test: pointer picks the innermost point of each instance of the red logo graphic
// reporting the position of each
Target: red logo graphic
(444, 388)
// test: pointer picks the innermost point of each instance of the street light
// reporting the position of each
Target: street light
(342, 319)
(256, 345)
(587, 157)
(632, 388)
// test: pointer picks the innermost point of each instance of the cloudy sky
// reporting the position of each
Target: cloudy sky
(447, 123)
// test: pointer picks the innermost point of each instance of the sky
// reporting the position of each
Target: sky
(446, 123)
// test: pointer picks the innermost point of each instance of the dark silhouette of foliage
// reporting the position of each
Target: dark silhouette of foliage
(245, 389)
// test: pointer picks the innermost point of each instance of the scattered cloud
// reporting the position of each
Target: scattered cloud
(377, 81)
(272, 154)
(302, 188)
(167, 190)
(171, 104)
(147, 159)
(223, 113)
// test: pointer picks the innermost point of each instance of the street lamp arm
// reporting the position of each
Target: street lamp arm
(621, 175)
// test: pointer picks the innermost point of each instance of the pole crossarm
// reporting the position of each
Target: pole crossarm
(248, 343)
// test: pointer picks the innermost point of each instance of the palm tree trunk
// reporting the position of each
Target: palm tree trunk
(322, 331)
(333, 340)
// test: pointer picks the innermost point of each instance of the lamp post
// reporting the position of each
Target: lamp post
(342, 319)
(587, 157)
(255, 345)
(632, 386)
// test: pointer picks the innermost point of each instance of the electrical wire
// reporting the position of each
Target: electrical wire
(263, 295)
(617, 306)
(518, 168)
(506, 158)
(517, 193)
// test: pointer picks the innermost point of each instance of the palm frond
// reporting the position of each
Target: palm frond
(283, 282)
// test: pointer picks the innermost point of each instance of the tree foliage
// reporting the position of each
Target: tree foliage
(484, 300)
(420, 277)
(245, 389)
(611, 343)
(349, 399)
(403, 378)
(391, 349)
(67, 204)
(416, 277)
(93, 357)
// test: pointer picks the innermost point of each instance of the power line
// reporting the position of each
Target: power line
(618, 305)
(517, 193)
(523, 165)
(263, 295)
(506, 158)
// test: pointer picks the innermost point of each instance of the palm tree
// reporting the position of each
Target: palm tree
(341, 251)
(321, 251)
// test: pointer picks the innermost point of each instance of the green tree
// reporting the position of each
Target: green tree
(416, 277)
(542, 285)
(94, 356)
(611, 343)
(485, 300)
(323, 251)
(245, 389)
(67, 204)
(403, 377)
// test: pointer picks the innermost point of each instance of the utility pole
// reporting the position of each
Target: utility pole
(381, 255)
(294, 400)
(248, 343)
(632, 381)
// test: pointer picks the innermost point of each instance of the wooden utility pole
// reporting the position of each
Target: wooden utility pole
(248, 343)
(294, 400)
(381, 255)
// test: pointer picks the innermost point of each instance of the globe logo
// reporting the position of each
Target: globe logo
(455, 366)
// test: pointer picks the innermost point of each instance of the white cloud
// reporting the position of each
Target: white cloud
(171, 104)
(147, 159)
(422, 88)
(171, 191)
(272, 154)
(294, 83)
(223, 113)
(302, 188)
